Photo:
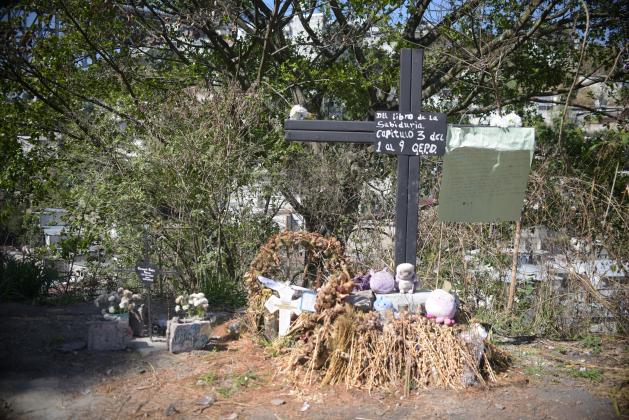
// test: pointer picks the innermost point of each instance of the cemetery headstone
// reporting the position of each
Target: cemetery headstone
(108, 335)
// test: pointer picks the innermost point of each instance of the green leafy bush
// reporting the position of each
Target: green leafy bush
(224, 292)
(24, 280)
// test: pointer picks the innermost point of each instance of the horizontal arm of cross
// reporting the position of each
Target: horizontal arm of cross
(133, 270)
(333, 131)
(330, 131)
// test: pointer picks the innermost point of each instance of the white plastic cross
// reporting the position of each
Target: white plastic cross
(285, 303)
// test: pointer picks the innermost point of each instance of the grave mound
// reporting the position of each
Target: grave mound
(340, 345)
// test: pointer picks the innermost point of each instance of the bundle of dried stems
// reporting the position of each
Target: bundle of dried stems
(342, 346)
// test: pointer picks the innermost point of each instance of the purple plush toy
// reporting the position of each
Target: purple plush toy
(361, 282)
(381, 282)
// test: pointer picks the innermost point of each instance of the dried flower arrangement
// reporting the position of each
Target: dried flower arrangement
(194, 305)
(118, 302)
(338, 345)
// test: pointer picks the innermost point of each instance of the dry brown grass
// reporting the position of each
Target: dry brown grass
(342, 346)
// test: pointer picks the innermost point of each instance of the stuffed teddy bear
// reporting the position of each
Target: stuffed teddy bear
(405, 278)
(441, 306)
(381, 282)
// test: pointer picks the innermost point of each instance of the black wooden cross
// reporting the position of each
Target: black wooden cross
(364, 132)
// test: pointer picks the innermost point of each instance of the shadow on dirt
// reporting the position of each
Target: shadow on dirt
(44, 363)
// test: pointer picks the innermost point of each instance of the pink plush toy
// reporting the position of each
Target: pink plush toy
(441, 306)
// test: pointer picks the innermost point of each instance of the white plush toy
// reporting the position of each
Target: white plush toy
(405, 278)
(298, 112)
(441, 306)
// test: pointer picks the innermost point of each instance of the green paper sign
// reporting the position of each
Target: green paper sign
(485, 173)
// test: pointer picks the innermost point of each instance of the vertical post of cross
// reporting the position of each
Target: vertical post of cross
(411, 61)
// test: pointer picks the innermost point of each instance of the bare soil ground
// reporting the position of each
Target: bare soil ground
(549, 379)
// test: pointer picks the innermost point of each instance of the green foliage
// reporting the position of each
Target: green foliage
(277, 346)
(24, 279)
(224, 391)
(11, 228)
(592, 374)
(244, 379)
(534, 370)
(183, 186)
(233, 383)
(209, 378)
(592, 342)
(115, 88)
(224, 292)
(596, 157)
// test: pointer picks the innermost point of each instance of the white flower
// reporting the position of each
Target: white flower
(124, 304)
(120, 290)
(177, 308)
(513, 120)
(298, 112)
(111, 298)
(495, 119)
(112, 309)
(509, 120)
(199, 299)
(205, 306)
(127, 293)
(475, 120)
(185, 307)
(136, 296)
(179, 299)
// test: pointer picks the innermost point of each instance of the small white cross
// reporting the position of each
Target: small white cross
(285, 303)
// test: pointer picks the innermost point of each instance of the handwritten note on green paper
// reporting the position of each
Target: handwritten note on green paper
(485, 183)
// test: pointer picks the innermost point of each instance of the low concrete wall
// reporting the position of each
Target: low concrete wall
(108, 335)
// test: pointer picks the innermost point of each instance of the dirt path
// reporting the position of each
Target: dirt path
(39, 382)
